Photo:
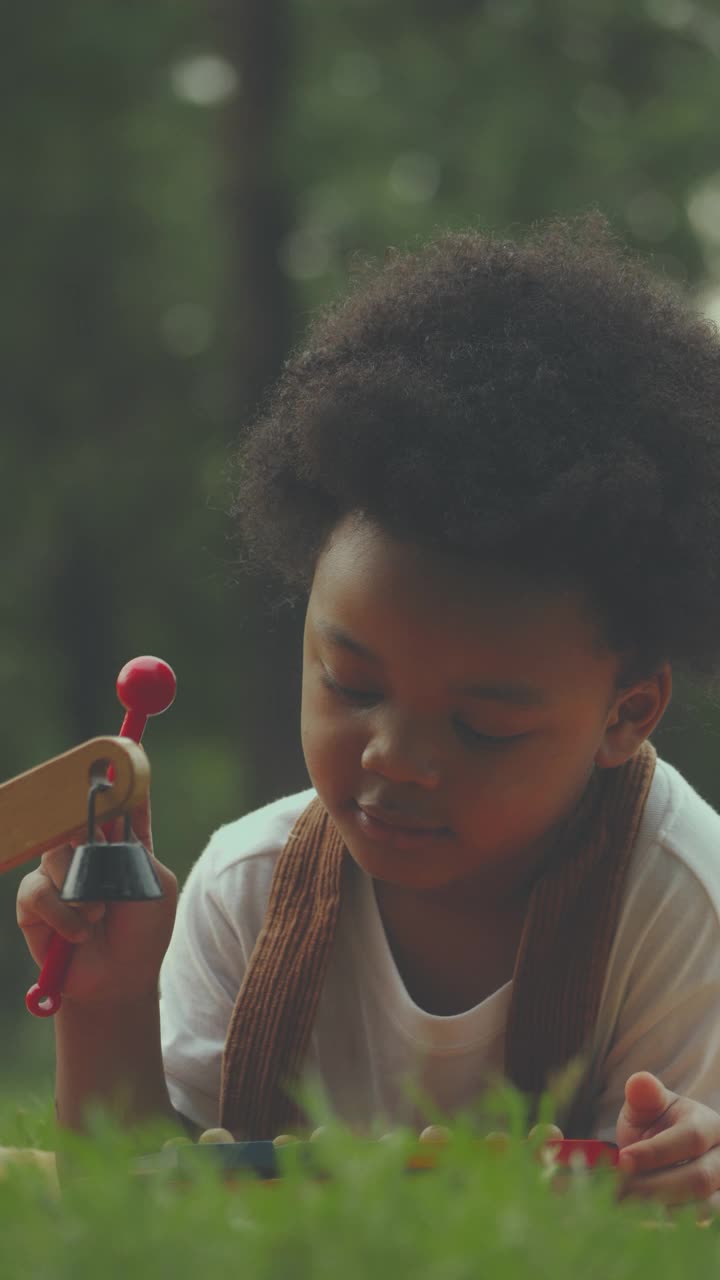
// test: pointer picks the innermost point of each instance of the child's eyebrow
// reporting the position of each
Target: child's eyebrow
(521, 694)
(335, 635)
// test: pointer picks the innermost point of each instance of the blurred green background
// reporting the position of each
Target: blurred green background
(182, 185)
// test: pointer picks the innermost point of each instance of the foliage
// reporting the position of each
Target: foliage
(479, 1210)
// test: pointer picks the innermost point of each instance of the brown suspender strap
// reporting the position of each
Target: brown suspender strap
(559, 972)
(275, 1010)
(569, 929)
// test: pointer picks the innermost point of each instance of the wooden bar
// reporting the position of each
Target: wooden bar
(48, 805)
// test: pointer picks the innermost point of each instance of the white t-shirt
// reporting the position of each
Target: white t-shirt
(660, 1008)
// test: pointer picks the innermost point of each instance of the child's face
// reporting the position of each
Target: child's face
(395, 639)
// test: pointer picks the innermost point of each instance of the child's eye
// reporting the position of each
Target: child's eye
(353, 695)
(368, 696)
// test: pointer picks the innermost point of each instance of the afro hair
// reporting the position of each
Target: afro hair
(550, 404)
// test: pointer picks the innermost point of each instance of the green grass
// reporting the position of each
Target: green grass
(480, 1213)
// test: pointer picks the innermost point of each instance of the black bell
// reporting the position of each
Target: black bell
(119, 872)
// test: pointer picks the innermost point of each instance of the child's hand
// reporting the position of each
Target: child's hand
(670, 1145)
(119, 945)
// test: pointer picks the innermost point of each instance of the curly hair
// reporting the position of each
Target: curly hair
(549, 404)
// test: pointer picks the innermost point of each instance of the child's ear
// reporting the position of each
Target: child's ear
(633, 717)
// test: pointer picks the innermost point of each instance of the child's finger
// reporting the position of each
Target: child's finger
(55, 862)
(92, 911)
(40, 908)
(694, 1182)
(682, 1141)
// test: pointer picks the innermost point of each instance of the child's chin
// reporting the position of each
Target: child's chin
(409, 870)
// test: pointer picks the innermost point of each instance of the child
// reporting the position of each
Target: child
(495, 474)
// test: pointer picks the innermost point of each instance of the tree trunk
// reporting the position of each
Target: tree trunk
(256, 39)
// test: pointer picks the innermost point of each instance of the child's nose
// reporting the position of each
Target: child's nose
(403, 750)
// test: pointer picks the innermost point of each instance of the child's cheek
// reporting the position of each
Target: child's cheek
(333, 748)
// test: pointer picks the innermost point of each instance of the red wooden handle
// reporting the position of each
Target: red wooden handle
(43, 999)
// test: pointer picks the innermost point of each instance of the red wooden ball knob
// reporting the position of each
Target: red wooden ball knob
(146, 686)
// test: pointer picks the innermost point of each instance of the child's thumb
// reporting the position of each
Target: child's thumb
(646, 1101)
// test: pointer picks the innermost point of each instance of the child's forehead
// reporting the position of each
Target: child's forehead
(369, 583)
(362, 558)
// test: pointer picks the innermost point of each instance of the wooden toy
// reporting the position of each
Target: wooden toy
(44, 808)
(48, 805)
(260, 1158)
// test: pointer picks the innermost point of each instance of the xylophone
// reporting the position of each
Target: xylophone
(217, 1149)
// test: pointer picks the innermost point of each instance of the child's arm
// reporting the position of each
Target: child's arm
(110, 1054)
(107, 1029)
(662, 1003)
(660, 1074)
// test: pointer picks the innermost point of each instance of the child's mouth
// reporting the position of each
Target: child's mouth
(393, 832)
